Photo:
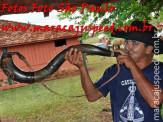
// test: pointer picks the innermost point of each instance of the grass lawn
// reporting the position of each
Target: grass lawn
(36, 104)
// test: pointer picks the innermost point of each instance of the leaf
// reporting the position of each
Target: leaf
(124, 13)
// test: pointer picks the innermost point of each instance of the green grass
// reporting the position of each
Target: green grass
(34, 103)
(91, 40)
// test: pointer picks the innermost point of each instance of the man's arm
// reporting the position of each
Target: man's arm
(87, 84)
(145, 87)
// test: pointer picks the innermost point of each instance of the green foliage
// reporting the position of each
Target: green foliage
(160, 18)
(125, 11)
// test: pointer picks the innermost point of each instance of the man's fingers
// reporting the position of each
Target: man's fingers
(76, 61)
(70, 52)
(122, 58)
(69, 55)
(80, 56)
(74, 55)
(121, 61)
(123, 52)
(66, 55)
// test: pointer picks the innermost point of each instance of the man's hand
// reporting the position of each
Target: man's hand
(125, 58)
(74, 57)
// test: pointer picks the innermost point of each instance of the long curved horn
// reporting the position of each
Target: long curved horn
(12, 71)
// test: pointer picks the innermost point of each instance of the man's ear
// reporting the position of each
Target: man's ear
(149, 49)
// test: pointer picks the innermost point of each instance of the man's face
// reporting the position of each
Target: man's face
(136, 50)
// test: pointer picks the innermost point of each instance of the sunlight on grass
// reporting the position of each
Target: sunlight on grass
(35, 103)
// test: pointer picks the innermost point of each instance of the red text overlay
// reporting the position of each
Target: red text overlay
(75, 28)
(63, 7)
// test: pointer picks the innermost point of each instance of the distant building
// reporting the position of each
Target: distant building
(38, 47)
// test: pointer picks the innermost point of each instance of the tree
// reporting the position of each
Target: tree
(124, 13)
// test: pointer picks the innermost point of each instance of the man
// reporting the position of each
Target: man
(101, 38)
(133, 90)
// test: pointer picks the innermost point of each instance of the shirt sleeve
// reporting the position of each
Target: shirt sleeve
(106, 76)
